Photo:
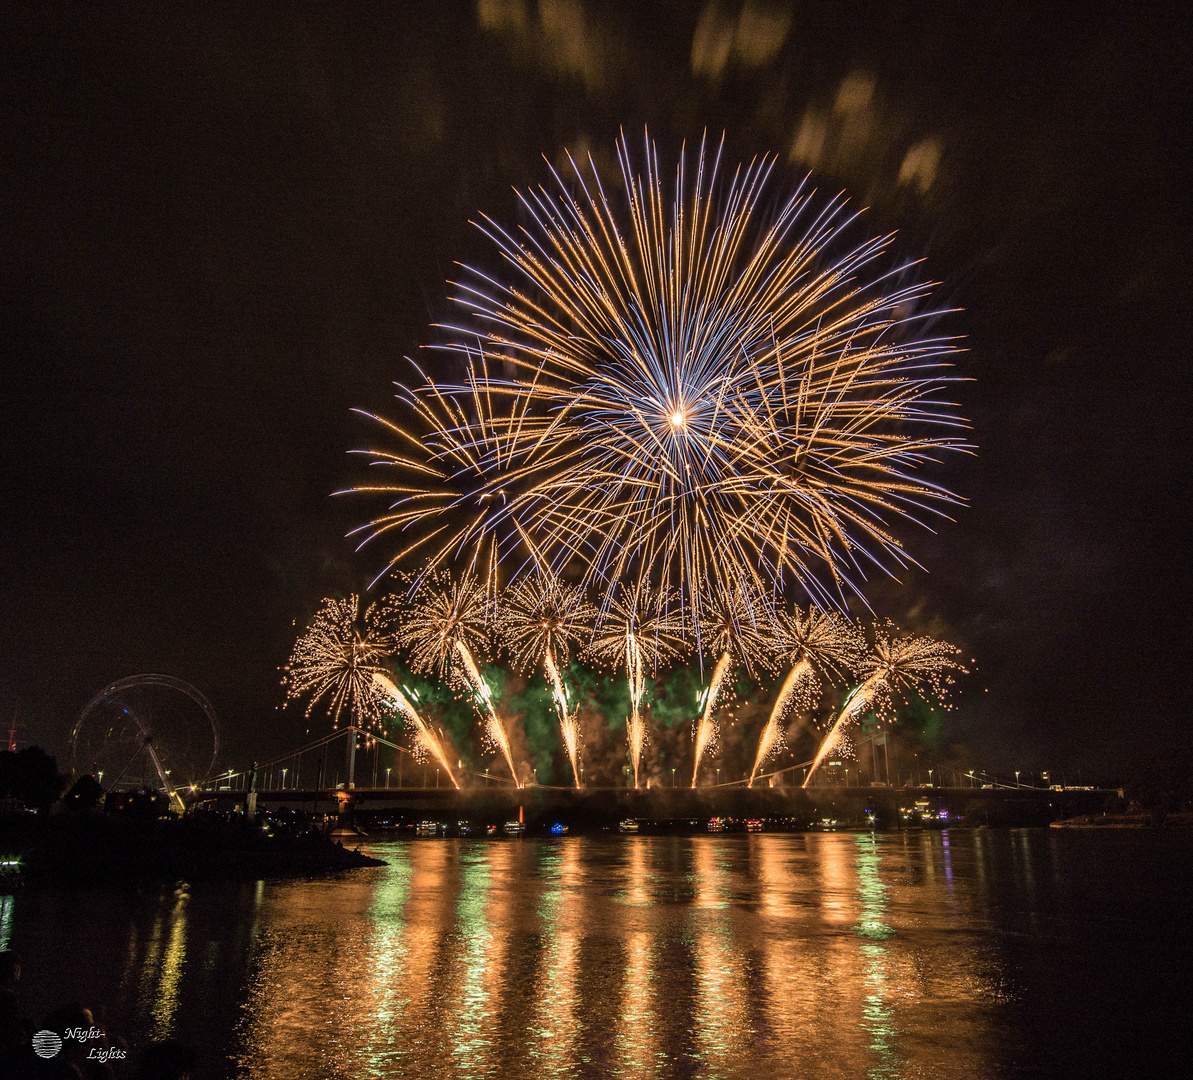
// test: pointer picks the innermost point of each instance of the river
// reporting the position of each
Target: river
(977, 953)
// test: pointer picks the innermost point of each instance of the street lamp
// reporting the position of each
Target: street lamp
(718, 777)
(673, 776)
(1016, 777)
(930, 771)
(284, 771)
(387, 772)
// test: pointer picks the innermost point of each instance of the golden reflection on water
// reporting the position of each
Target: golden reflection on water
(555, 1003)
(637, 1046)
(719, 956)
(170, 930)
(722, 1031)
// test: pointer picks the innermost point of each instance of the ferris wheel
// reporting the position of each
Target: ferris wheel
(146, 731)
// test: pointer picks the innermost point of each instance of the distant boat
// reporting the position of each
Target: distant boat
(629, 825)
(514, 828)
(716, 824)
(753, 825)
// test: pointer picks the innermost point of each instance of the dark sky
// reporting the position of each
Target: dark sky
(223, 226)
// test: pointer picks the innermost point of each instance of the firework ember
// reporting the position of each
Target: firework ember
(336, 658)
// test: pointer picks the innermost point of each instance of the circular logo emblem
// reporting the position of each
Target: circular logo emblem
(46, 1044)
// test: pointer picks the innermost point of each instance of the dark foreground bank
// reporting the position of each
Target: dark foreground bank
(111, 850)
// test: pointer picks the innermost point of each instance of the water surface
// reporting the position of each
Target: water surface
(979, 953)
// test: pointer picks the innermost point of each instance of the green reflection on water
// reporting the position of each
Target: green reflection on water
(388, 951)
(471, 1040)
(876, 1013)
(554, 1022)
(6, 906)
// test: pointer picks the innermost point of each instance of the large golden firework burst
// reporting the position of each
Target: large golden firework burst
(685, 383)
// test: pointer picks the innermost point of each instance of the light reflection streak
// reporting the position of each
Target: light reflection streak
(877, 1008)
(171, 970)
(555, 1019)
(710, 956)
(637, 1028)
(789, 984)
(468, 1029)
(162, 964)
(6, 906)
(387, 958)
(721, 1015)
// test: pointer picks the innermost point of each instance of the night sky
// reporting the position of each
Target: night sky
(224, 226)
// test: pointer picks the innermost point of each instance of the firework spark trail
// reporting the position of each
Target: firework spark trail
(493, 725)
(422, 730)
(859, 701)
(814, 641)
(706, 728)
(635, 724)
(897, 664)
(568, 726)
(739, 626)
(695, 388)
(634, 633)
(787, 694)
(441, 628)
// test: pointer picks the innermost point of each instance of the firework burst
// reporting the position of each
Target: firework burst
(337, 657)
(813, 642)
(738, 628)
(677, 383)
(635, 633)
(538, 622)
(443, 629)
(896, 665)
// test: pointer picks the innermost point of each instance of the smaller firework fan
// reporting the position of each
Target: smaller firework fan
(538, 621)
(895, 666)
(814, 643)
(443, 629)
(635, 633)
(336, 658)
(740, 628)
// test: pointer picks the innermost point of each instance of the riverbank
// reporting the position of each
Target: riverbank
(99, 849)
(1158, 819)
